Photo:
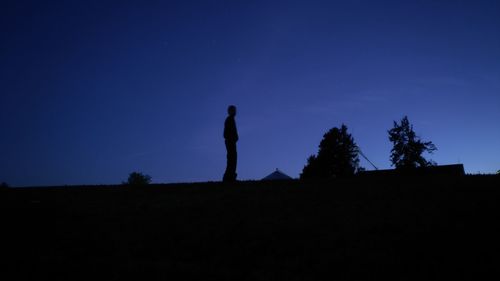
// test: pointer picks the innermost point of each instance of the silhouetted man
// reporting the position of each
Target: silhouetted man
(231, 137)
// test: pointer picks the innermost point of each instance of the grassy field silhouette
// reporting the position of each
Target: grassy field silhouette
(352, 229)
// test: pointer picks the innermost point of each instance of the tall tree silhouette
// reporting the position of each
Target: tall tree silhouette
(337, 156)
(407, 147)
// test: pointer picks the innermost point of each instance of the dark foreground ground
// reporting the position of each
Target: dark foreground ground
(358, 229)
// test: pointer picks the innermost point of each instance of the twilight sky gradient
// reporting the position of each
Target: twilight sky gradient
(93, 90)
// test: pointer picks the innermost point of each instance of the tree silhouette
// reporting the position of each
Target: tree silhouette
(138, 179)
(337, 156)
(407, 149)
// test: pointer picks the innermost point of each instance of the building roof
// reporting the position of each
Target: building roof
(441, 170)
(277, 175)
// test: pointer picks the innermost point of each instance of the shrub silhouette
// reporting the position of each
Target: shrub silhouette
(407, 149)
(4, 185)
(337, 156)
(138, 179)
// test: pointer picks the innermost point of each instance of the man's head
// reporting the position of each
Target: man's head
(231, 110)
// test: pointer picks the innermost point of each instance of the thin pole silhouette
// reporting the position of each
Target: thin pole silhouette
(366, 158)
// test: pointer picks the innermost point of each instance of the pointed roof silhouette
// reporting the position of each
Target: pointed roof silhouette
(277, 175)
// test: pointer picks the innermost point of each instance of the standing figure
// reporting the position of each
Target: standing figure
(230, 137)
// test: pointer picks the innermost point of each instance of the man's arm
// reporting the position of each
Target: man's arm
(230, 132)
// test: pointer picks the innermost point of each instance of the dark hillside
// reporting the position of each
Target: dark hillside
(357, 229)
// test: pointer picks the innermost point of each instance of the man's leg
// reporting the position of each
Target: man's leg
(230, 174)
(234, 159)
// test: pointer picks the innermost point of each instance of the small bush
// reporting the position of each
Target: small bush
(4, 185)
(138, 179)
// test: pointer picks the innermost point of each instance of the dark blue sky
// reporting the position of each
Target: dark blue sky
(93, 90)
